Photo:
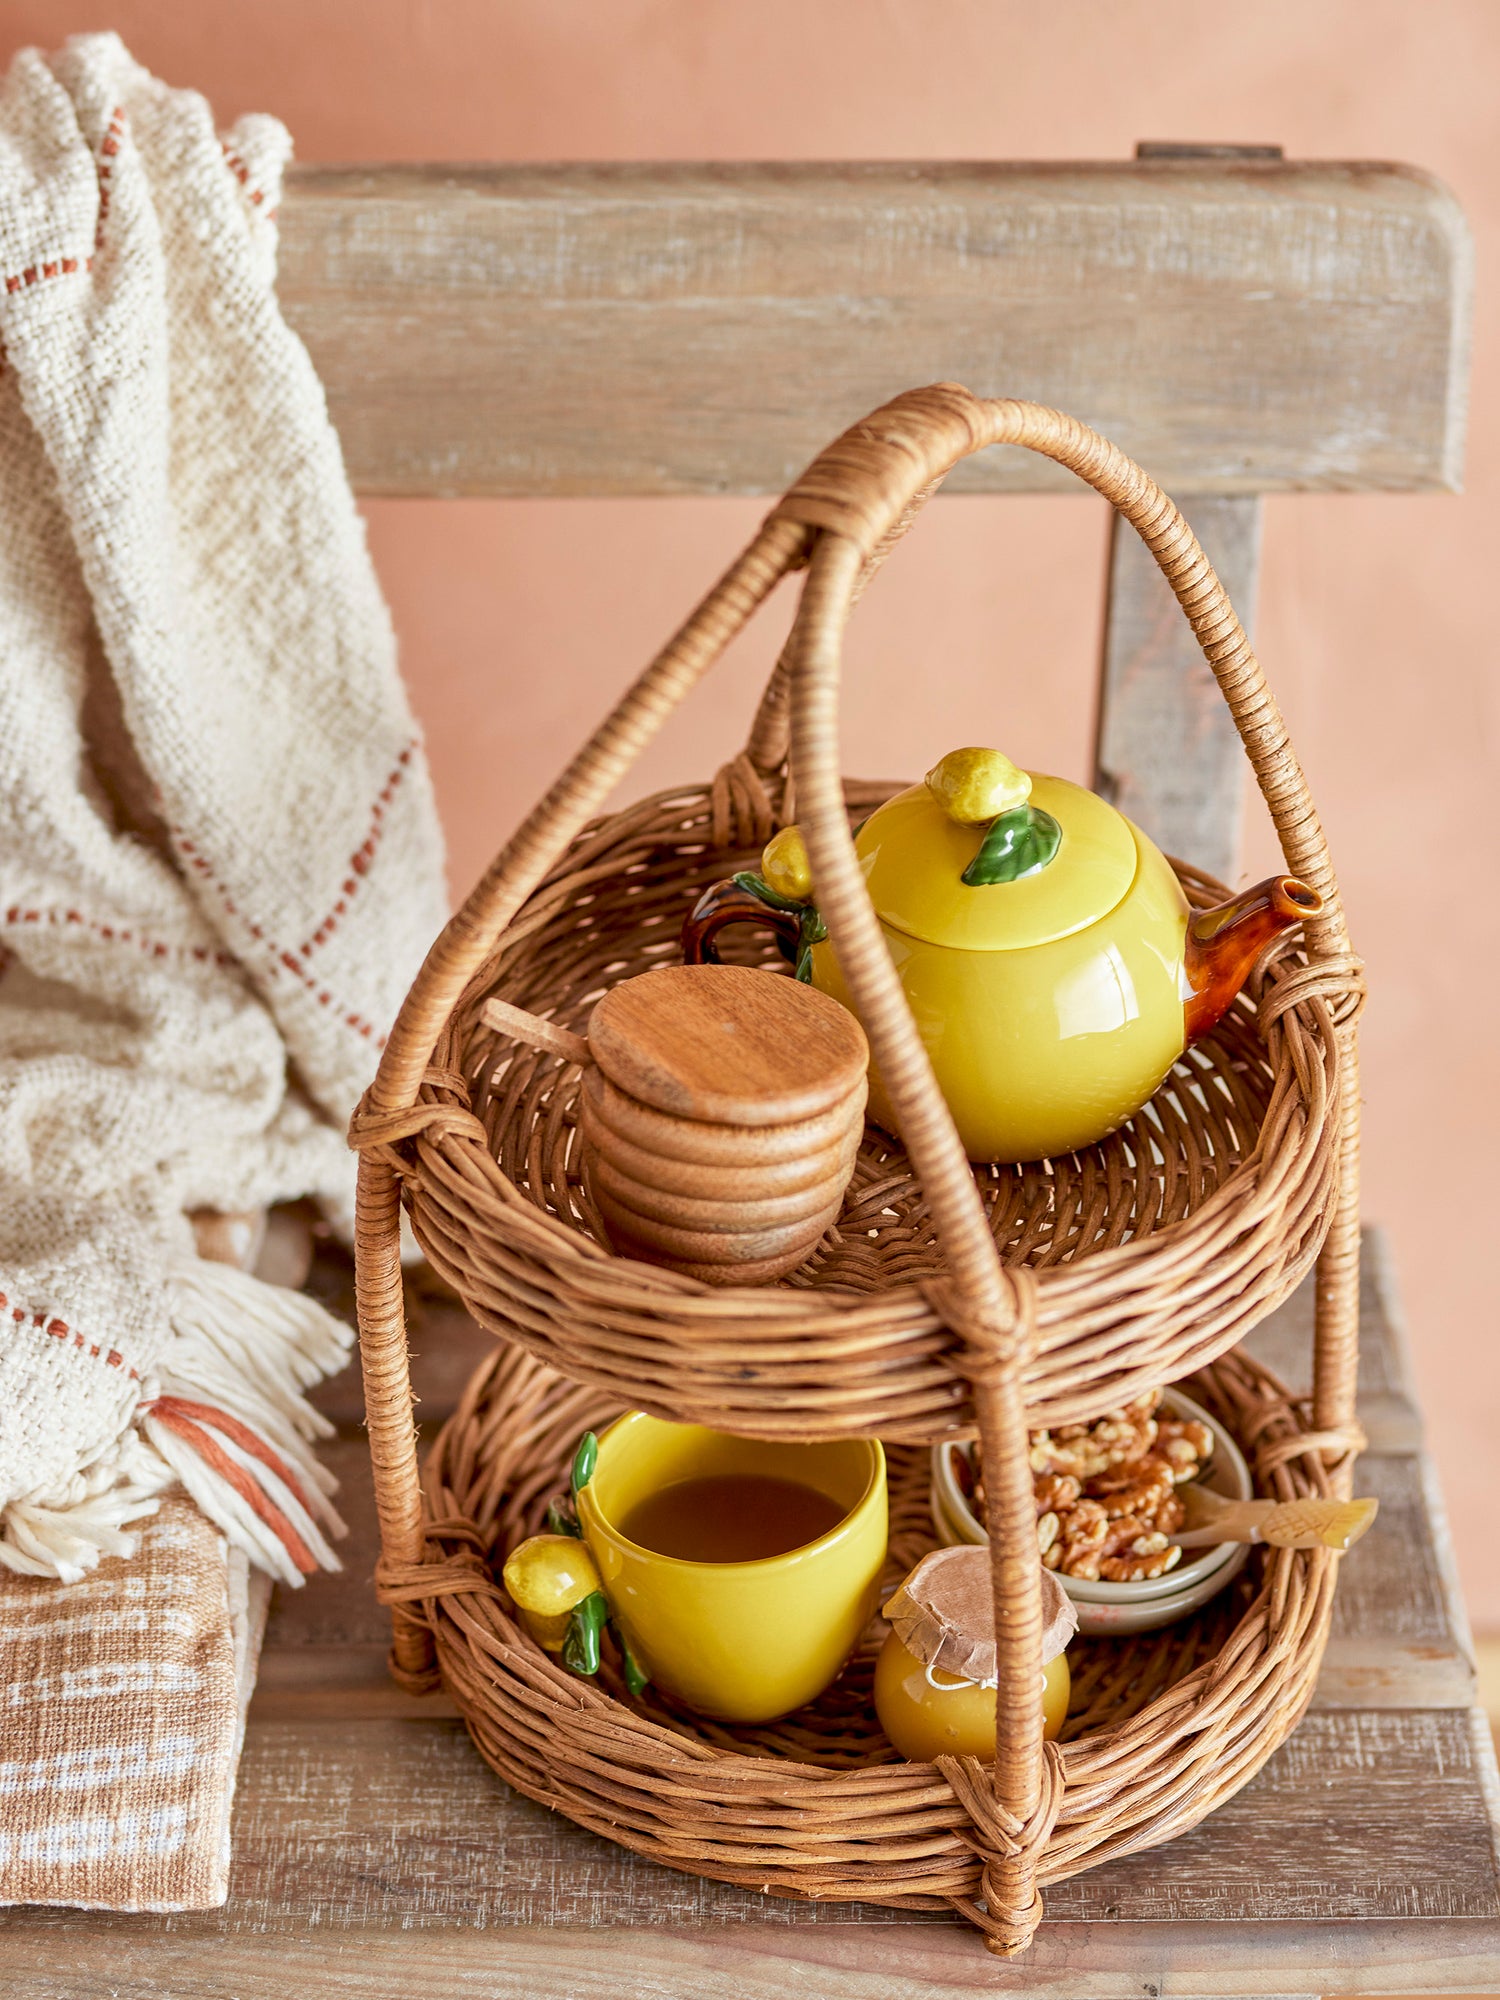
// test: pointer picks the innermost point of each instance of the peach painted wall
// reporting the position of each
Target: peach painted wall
(518, 620)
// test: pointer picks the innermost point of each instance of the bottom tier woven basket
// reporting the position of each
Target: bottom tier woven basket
(1161, 1727)
(945, 1301)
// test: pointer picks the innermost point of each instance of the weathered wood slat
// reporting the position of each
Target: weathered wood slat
(682, 1962)
(1068, 1962)
(1169, 755)
(388, 1849)
(1398, 1638)
(1240, 326)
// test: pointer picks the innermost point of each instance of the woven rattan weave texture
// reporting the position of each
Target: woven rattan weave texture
(944, 1299)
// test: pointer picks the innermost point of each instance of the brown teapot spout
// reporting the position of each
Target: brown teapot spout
(1224, 943)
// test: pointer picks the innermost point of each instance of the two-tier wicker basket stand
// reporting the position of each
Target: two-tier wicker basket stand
(946, 1298)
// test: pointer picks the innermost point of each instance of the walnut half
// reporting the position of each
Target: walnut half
(1106, 1491)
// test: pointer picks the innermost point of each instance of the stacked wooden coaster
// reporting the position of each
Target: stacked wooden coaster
(721, 1117)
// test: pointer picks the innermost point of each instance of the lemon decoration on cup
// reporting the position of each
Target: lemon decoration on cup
(554, 1584)
(548, 1577)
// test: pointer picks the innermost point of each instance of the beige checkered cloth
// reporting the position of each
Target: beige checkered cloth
(124, 1704)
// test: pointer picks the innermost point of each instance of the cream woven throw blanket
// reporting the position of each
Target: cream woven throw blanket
(219, 859)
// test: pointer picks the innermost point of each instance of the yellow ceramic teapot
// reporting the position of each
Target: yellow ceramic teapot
(1052, 964)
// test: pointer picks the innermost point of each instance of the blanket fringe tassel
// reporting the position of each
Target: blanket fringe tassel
(226, 1415)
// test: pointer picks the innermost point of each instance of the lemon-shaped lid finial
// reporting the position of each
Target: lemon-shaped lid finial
(983, 788)
(976, 786)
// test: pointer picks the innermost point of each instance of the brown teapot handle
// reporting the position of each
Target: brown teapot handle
(724, 903)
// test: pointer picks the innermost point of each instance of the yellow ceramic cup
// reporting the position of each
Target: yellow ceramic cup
(742, 1641)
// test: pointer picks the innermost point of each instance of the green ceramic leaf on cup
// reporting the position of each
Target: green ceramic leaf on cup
(584, 1460)
(635, 1680)
(580, 1650)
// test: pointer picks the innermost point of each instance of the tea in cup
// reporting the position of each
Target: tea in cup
(740, 1573)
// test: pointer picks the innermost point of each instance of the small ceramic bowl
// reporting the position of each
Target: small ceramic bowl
(1116, 1610)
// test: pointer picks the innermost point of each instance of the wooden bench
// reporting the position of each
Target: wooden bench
(1242, 325)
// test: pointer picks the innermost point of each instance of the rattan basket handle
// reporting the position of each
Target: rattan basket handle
(870, 483)
(865, 490)
(453, 960)
(855, 494)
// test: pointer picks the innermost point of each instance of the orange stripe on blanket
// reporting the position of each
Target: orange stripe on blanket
(243, 1436)
(173, 1412)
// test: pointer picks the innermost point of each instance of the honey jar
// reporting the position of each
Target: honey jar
(935, 1679)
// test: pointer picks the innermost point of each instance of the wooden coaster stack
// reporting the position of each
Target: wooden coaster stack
(721, 1117)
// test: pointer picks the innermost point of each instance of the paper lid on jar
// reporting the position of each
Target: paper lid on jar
(944, 1613)
(916, 855)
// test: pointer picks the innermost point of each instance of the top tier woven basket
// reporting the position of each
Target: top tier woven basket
(946, 1299)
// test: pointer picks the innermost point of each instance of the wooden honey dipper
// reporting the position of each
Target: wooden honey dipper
(720, 1115)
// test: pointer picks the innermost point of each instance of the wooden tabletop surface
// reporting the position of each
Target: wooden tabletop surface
(375, 1855)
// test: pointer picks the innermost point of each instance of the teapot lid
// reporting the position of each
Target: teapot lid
(983, 857)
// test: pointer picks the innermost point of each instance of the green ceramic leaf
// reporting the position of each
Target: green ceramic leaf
(814, 930)
(559, 1523)
(580, 1650)
(1019, 843)
(757, 885)
(635, 1680)
(584, 1460)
